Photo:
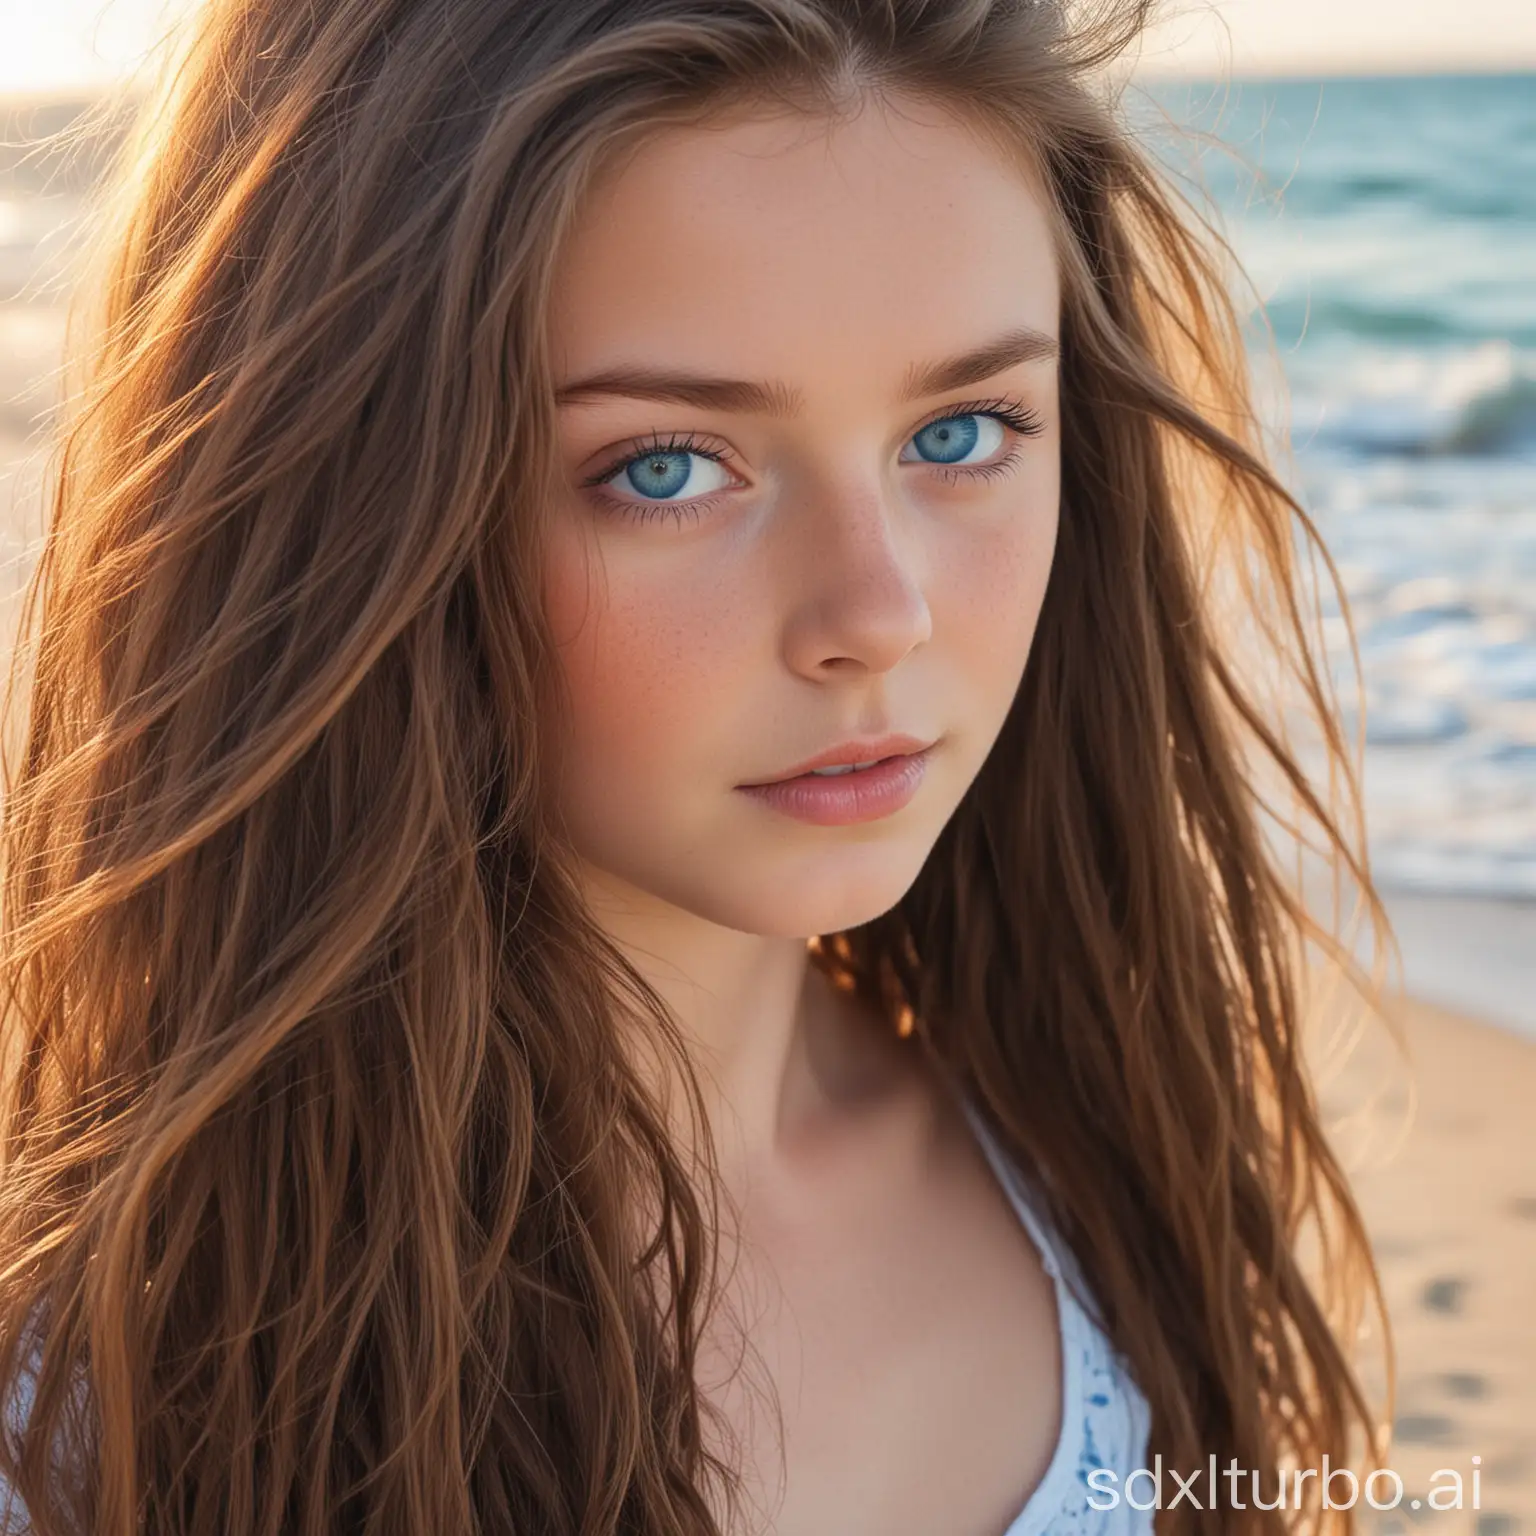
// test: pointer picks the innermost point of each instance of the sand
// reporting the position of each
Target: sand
(1443, 1165)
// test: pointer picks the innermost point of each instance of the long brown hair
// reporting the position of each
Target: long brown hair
(321, 1152)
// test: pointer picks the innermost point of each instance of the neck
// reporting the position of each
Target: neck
(779, 1054)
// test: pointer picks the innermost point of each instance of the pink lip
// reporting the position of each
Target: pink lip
(838, 800)
(870, 750)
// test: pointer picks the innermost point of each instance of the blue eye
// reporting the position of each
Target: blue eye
(665, 476)
(670, 474)
(950, 439)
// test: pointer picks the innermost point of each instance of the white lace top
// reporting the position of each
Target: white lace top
(1105, 1419)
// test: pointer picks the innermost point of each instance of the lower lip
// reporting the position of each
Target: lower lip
(840, 799)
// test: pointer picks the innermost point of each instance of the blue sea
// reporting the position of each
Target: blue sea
(1389, 227)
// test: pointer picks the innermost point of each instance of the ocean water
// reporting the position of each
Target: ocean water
(1389, 227)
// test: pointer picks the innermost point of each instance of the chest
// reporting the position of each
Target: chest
(908, 1335)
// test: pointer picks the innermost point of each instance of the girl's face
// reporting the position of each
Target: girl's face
(809, 430)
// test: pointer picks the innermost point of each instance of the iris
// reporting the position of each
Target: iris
(948, 439)
(660, 474)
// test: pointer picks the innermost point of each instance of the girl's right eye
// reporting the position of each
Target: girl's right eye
(665, 479)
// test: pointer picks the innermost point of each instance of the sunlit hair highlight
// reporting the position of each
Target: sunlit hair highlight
(324, 1166)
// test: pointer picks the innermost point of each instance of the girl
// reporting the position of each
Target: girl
(636, 896)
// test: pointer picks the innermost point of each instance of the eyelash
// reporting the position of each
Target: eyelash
(1022, 420)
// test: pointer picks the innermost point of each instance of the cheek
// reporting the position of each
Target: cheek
(998, 583)
(647, 657)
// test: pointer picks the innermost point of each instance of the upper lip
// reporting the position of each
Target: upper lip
(869, 750)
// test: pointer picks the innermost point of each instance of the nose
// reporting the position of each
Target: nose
(858, 569)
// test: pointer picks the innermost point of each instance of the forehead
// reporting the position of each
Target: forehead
(792, 244)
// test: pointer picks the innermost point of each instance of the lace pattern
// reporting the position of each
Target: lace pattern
(1105, 1419)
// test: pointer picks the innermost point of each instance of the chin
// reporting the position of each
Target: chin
(842, 890)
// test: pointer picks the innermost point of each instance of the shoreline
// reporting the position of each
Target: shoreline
(1469, 955)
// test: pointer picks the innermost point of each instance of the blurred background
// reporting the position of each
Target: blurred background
(1380, 189)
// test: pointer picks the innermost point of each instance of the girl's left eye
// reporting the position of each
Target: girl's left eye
(678, 476)
(969, 437)
(955, 440)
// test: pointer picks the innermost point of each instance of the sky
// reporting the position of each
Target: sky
(1341, 36)
(64, 43)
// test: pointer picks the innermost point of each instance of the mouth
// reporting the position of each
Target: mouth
(849, 759)
(846, 768)
(840, 794)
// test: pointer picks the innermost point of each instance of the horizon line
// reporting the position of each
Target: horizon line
(1344, 69)
(92, 90)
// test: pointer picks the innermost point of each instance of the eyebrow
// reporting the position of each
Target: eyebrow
(769, 397)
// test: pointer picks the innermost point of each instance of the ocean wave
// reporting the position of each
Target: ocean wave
(1295, 316)
(1441, 869)
(1475, 402)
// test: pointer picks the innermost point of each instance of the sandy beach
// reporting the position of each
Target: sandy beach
(1444, 1162)
(1441, 1150)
